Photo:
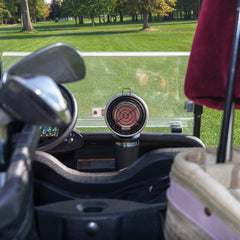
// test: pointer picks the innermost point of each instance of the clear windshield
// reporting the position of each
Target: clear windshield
(158, 79)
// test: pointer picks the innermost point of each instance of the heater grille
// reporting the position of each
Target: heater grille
(126, 114)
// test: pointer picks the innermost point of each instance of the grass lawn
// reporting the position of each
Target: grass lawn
(164, 36)
(167, 36)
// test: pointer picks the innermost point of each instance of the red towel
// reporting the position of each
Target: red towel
(207, 72)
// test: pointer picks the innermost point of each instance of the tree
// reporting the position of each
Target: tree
(46, 10)
(188, 8)
(107, 8)
(162, 7)
(120, 6)
(3, 11)
(55, 9)
(34, 11)
(38, 9)
(27, 26)
(67, 7)
(11, 10)
(74, 8)
(94, 9)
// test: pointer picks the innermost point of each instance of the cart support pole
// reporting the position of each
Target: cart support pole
(228, 107)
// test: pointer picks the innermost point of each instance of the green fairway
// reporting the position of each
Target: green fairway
(158, 80)
(169, 36)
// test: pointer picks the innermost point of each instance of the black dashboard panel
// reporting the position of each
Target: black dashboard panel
(96, 152)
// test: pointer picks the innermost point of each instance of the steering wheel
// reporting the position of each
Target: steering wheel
(47, 143)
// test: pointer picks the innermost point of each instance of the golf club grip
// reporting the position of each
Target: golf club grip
(16, 196)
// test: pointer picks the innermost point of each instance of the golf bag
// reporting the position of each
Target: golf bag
(204, 193)
(204, 197)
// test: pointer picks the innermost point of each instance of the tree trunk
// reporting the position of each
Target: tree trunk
(181, 16)
(13, 13)
(34, 12)
(150, 17)
(80, 20)
(93, 23)
(108, 18)
(121, 17)
(27, 26)
(133, 17)
(145, 21)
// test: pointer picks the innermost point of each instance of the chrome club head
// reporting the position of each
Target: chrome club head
(60, 61)
(36, 100)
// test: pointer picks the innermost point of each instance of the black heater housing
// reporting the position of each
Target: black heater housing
(126, 115)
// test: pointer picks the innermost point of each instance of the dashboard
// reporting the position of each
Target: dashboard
(126, 116)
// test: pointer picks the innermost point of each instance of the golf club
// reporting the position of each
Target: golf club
(35, 100)
(60, 61)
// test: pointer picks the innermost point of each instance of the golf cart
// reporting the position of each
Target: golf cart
(61, 183)
(104, 185)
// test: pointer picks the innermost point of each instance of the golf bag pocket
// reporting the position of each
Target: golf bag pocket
(203, 197)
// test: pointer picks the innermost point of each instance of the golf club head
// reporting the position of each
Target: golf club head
(60, 61)
(36, 100)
